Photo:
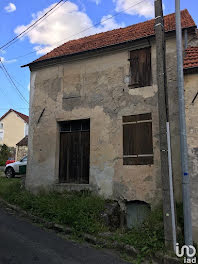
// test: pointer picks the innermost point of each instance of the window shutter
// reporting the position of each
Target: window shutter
(130, 139)
(140, 65)
(134, 65)
(144, 139)
(137, 140)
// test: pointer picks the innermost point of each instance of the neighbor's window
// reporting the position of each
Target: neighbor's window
(1, 135)
(140, 68)
(137, 140)
(1, 125)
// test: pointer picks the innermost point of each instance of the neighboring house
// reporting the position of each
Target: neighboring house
(22, 148)
(13, 127)
(94, 115)
(191, 98)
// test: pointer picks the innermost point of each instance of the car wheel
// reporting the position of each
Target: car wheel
(10, 172)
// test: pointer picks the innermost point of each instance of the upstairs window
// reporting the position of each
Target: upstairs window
(1, 125)
(140, 68)
(137, 140)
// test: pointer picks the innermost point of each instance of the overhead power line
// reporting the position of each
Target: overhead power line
(28, 29)
(97, 24)
(12, 82)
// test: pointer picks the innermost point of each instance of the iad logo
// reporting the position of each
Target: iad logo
(190, 253)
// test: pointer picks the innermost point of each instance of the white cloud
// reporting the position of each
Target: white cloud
(62, 25)
(28, 87)
(136, 7)
(96, 1)
(7, 61)
(10, 8)
(108, 23)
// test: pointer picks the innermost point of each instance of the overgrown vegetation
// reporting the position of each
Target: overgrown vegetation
(5, 153)
(82, 212)
(148, 238)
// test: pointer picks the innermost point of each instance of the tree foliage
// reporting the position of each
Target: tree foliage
(5, 153)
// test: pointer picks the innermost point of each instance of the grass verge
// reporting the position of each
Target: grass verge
(82, 212)
(148, 238)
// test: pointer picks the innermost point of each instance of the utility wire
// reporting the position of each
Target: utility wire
(35, 25)
(38, 21)
(11, 81)
(68, 38)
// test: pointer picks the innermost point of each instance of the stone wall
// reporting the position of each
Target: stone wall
(21, 152)
(97, 88)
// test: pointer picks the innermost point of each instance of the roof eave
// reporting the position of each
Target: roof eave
(101, 48)
(193, 69)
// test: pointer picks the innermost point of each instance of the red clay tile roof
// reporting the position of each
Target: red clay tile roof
(23, 142)
(191, 58)
(24, 117)
(117, 36)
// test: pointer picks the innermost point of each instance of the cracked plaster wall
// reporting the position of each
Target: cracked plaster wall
(97, 88)
(191, 89)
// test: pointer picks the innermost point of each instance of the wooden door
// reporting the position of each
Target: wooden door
(74, 156)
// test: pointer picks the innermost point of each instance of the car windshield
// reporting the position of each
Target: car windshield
(24, 159)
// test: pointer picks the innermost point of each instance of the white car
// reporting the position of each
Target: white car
(16, 168)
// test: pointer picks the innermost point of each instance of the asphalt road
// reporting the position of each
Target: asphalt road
(21, 242)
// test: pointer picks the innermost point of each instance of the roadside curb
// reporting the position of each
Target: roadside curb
(100, 240)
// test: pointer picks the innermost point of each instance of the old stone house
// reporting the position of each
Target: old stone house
(94, 115)
(13, 127)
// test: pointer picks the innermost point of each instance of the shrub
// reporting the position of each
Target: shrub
(5, 153)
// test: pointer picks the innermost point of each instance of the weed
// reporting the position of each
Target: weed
(148, 238)
(81, 211)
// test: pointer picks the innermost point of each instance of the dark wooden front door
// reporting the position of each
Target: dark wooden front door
(74, 152)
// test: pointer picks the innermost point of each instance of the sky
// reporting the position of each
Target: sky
(73, 19)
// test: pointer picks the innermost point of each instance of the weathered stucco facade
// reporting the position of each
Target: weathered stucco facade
(191, 85)
(96, 87)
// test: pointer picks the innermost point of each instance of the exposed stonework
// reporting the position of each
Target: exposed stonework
(21, 152)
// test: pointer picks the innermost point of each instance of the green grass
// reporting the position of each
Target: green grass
(148, 238)
(81, 211)
(1, 173)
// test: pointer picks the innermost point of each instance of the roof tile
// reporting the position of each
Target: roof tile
(117, 36)
(24, 117)
(191, 58)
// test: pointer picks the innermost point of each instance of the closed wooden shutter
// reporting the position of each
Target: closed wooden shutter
(137, 140)
(140, 67)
